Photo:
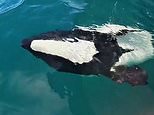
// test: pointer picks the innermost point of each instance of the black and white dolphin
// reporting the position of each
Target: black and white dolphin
(110, 50)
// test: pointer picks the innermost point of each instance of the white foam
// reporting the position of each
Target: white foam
(107, 28)
(140, 41)
(77, 52)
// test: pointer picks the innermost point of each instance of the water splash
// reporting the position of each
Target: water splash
(140, 41)
(7, 5)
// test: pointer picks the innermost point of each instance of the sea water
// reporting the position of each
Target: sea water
(28, 86)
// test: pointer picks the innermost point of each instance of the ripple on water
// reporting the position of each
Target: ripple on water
(76, 5)
(7, 5)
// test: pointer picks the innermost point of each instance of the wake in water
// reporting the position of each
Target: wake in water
(111, 50)
(7, 5)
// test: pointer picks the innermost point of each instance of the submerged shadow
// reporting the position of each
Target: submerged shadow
(97, 96)
(71, 86)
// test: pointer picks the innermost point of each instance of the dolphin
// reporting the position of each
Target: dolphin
(110, 50)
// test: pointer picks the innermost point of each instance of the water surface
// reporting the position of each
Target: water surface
(28, 86)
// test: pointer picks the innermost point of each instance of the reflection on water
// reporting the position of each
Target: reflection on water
(6, 5)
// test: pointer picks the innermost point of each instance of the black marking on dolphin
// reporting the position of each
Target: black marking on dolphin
(108, 53)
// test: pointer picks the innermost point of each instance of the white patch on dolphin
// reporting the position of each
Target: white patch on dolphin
(77, 52)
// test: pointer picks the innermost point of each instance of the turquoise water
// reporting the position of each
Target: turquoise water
(28, 86)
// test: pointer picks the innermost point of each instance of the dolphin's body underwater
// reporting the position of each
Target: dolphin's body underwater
(110, 50)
